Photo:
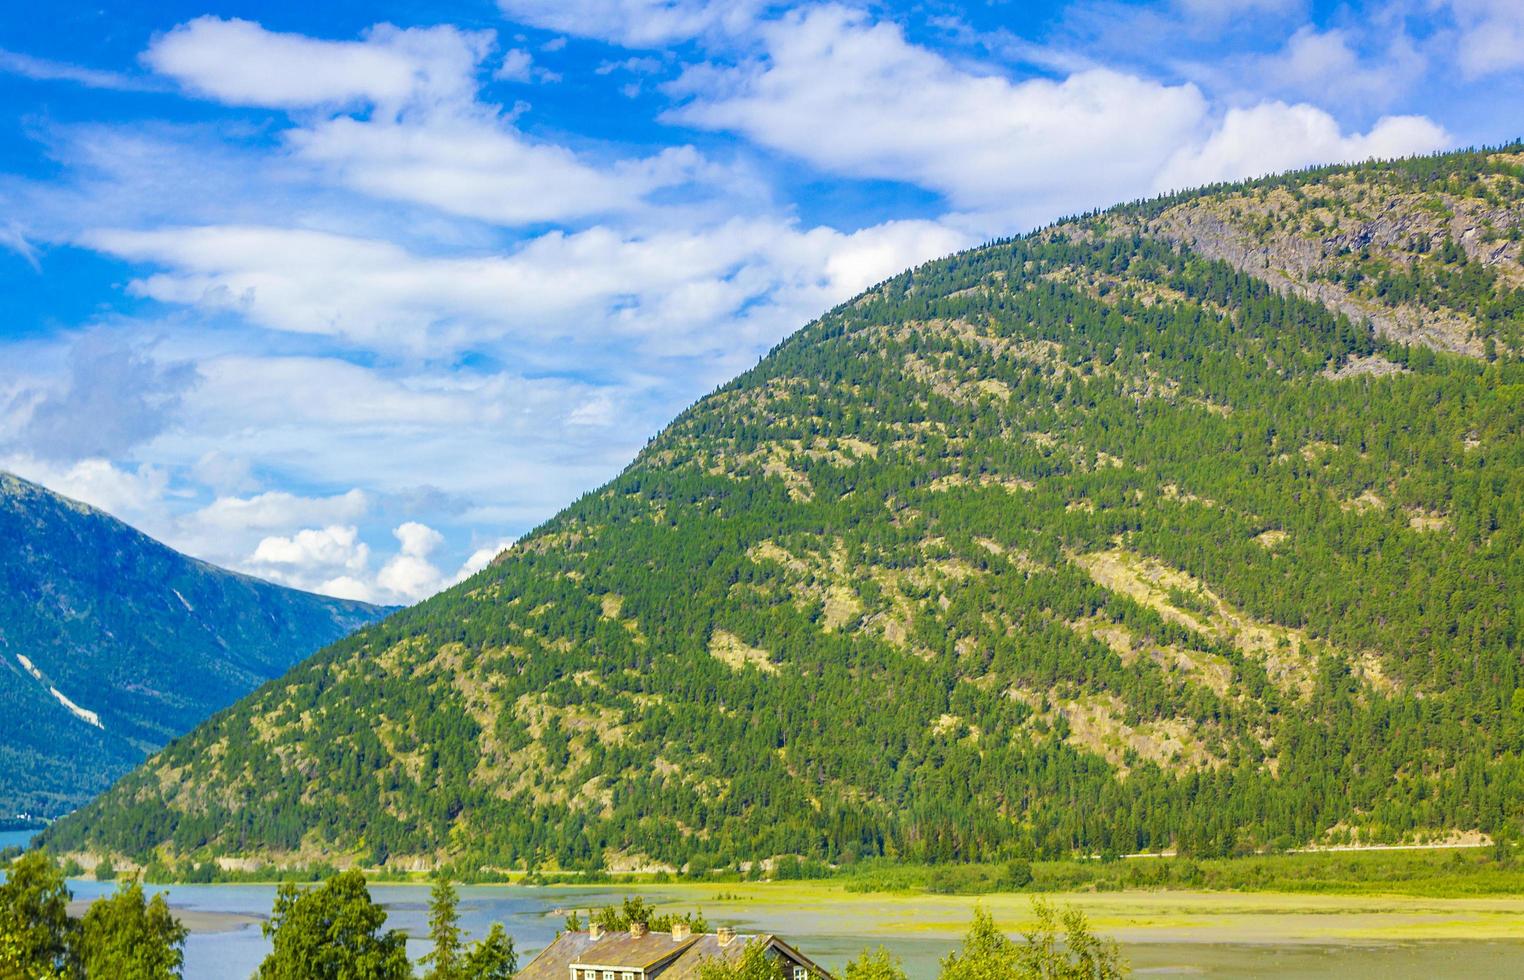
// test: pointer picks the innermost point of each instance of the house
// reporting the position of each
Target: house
(639, 954)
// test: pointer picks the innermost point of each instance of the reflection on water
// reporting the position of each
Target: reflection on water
(526, 913)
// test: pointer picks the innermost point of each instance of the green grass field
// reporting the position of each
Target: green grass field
(808, 908)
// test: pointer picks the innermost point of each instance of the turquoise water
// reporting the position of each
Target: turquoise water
(528, 914)
(15, 838)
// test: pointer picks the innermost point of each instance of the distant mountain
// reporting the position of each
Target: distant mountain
(1191, 524)
(111, 644)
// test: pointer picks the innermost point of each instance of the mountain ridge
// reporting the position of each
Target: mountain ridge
(135, 641)
(1091, 543)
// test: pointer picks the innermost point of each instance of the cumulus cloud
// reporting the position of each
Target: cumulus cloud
(335, 561)
(315, 548)
(1275, 136)
(331, 560)
(409, 574)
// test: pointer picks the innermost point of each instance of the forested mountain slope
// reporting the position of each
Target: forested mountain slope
(111, 644)
(1121, 536)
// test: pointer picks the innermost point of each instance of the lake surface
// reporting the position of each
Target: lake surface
(236, 945)
(16, 838)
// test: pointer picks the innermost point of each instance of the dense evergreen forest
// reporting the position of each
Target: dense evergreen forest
(1100, 540)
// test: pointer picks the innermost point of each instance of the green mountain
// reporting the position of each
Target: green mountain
(1191, 524)
(111, 644)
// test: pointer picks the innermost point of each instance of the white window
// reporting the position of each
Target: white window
(608, 975)
(629, 976)
(800, 973)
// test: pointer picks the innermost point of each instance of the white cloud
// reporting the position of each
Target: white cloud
(335, 561)
(1491, 35)
(278, 509)
(14, 240)
(241, 63)
(475, 168)
(345, 587)
(410, 575)
(331, 560)
(661, 286)
(515, 66)
(596, 411)
(397, 116)
(481, 558)
(638, 23)
(44, 70)
(1364, 65)
(898, 111)
(1274, 136)
(1017, 152)
(333, 546)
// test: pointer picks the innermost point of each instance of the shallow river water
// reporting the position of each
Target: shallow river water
(228, 943)
(528, 915)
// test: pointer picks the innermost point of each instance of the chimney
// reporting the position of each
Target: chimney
(725, 935)
(680, 931)
(637, 929)
(594, 930)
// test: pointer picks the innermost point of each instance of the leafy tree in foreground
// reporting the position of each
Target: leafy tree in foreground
(127, 937)
(1083, 956)
(988, 954)
(34, 920)
(876, 964)
(753, 964)
(332, 932)
(122, 937)
(490, 958)
(493, 957)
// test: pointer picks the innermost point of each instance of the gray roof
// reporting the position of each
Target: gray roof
(656, 953)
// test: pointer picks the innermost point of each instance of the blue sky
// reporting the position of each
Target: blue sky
(350, 295)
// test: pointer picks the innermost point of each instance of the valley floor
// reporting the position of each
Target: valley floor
(1215, 934)
(1131, 916)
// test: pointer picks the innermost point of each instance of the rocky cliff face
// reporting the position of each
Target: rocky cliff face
(1308, 238)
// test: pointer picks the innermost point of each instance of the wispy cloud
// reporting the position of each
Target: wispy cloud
(44, 70)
